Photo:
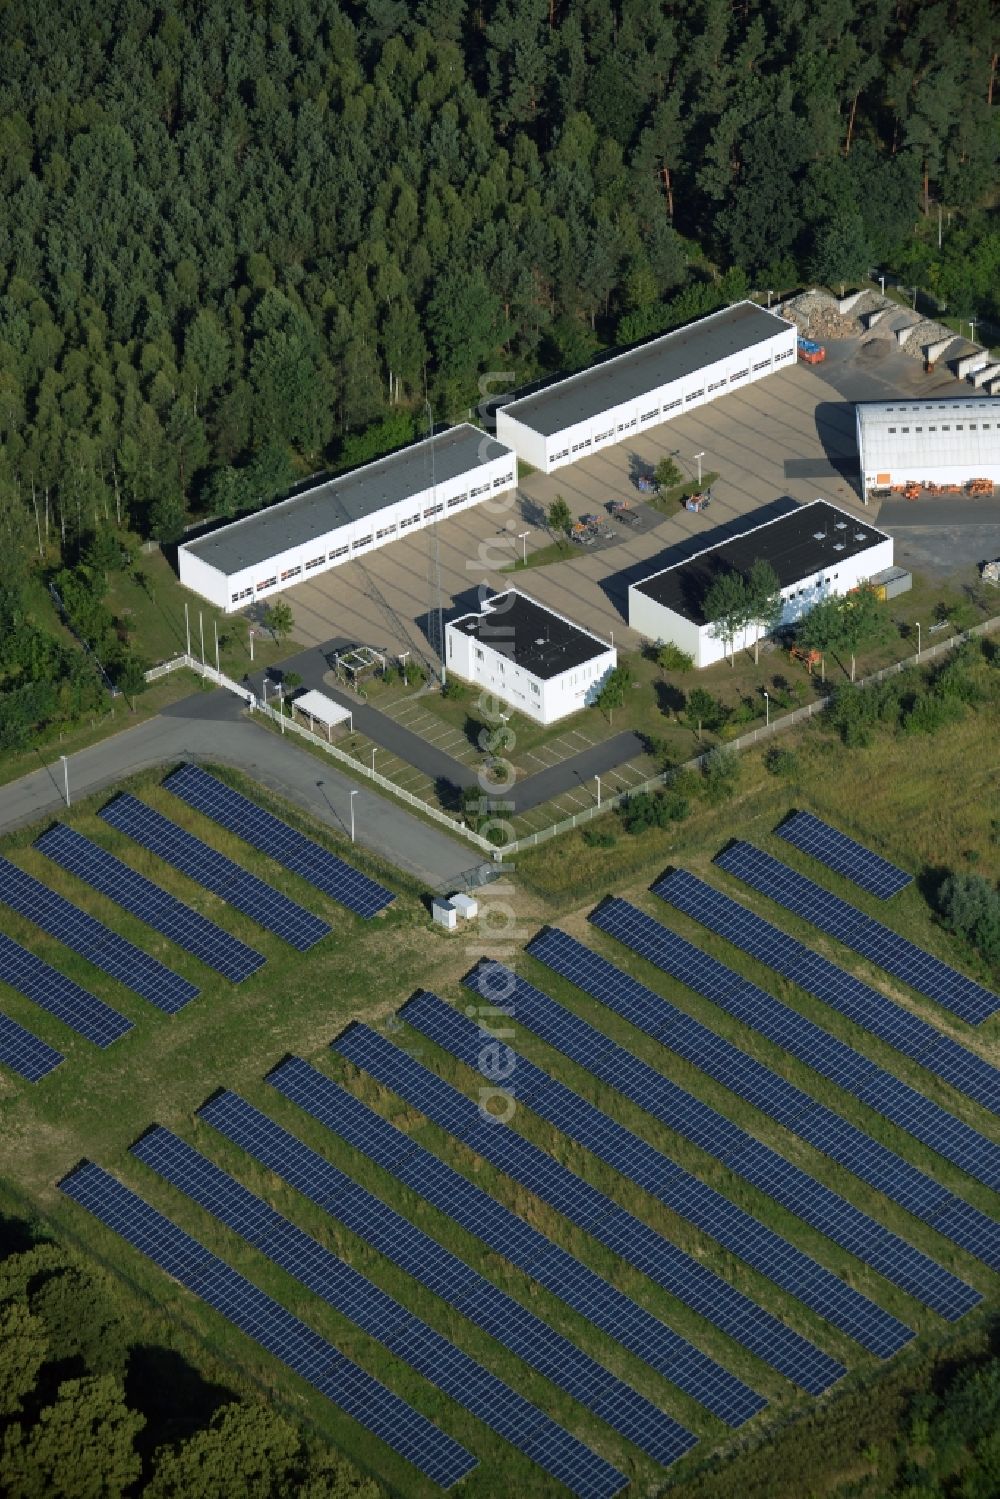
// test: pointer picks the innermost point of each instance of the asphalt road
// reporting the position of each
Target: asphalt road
(210, 726)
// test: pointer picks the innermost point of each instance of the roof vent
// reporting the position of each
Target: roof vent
(539, 640)
(841, 525)
(860, 536)
(819, 535)
(838, 546)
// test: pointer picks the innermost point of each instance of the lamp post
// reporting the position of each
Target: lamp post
(353, 795)
(918, 637)
(972, 329)
(699, 457)
(215, 626)
(65, 766)
(187, 627)
(881, 282)
(402, 666)
(250, 629)
(523, 539)
(598, 780)
(769, 296)
(374, 747)
(767, 707)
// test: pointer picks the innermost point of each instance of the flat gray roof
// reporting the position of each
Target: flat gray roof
(797, 545)
(349, 497)
(628, 376)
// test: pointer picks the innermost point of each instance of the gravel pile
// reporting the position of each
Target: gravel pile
(816, 315)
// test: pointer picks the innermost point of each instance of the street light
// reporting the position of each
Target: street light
(699, 457)
(972, 327)
(353, 795)
(374, 747)
(918, 637)
(767, 707)
(65, 765)
(523, 539)
(769, 296)
(598, 780)
(402, 665)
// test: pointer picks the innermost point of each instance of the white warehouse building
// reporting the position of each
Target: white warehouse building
(632, 392)
(529, 656)
(816, 550)
(946, 441)
(346, 517)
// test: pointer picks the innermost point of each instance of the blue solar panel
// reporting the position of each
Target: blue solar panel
(850, 996)
(261, 902)
(52, 991)
(24, 1053)
(676, 1189)
(381, 1317)
(374, 1407)
(96, 942)
(141, 898)
(903, 959)
(746, 1157)
(843, 855)
(437, 1268)
(773, 1095)
(269, 835)
(525, 1247)
(904, 1106)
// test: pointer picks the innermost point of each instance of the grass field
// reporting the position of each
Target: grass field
(925, 809)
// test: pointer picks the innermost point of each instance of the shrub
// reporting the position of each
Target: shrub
(598, 838)
(781, 762)
(647, 809)
(931, 711)
(970, 906)
(454, 690)
(720, 775)
(670, 657)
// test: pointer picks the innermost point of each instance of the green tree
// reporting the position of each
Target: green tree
(703, 711)
(23, 1350)
(81, 1447)
(613, 689)
(822, 629)
(727, 607)
(764, 601)
(560, 517)
(865, 621)
(670, 657)
(970, 906)
(666, 474)
(278, 618)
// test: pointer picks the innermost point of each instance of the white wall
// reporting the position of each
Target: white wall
(355, 539)
(619, 423)
(933, 442)
(545, 700)
(657, 622)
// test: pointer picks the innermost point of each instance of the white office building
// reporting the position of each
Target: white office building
(929, 442)
(346, 517)
(816, 550)
(528, 656)
(632, 392)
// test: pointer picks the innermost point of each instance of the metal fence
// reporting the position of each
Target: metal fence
(578, 819)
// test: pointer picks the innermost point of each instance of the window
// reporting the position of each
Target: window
(739, 375)
(536, 689)
(647, 416)
(340, 552)
(959, 427)
(411, 520)
(904, 429)
(477, 489)
(673, 404)
(479, 654)
(694, 395)
(930, 429)
(267, 583)
(945, 427)
(244, 593)
(717, 385)
(892, 429)
(763, 365)
(565, 453)
(972, 426)
(290, 572)
(362, 541)
(433, 510)
(314, 562)
(458, 499)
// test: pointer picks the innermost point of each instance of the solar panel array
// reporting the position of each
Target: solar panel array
(872, 1085)
(269, 835)
(141, 898)
(380, 1316)
(94, 941)
(898, 956)
(435, 1267)
(53, 991)
(779, 1099)
(374, 1407)
(261, 902)
(696, 1285)
(24, 1053)
(842, 854)
(747, 1157)
(509, 1235)
(850, 996)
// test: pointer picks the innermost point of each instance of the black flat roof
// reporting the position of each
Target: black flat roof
(626, 377)
(797, 545)
(530, 635)
(352, 496)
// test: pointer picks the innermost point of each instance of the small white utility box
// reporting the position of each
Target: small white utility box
(465, 906)
(444, 913)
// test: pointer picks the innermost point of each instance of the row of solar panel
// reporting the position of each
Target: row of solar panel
(880, 1090)
(843, 855)
(768, 1091)
(122, 960)
(898, 956)
(743, 1155)
(379, 1315)
(503, 1231)
(850, 996)
(625, 1235)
